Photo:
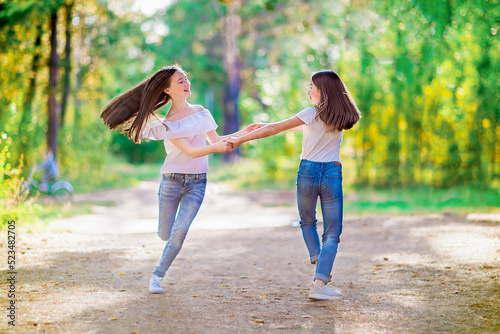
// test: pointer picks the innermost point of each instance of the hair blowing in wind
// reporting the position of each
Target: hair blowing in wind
(133, 108)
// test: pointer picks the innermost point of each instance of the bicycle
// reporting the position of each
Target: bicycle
(61, 190)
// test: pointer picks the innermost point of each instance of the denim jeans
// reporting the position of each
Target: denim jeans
(180, 197)
(323, 180)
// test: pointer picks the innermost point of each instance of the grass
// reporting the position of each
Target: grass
(32, 214)
(36, 213)
(421, 200)
(252, 175)
(117, 175)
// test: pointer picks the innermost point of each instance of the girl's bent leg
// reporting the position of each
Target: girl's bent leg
(307, 197)
(189, 207)
(169, 196)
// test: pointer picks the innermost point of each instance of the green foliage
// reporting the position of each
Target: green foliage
(10, 184)
(14, 206)
(146, 152)
(117, 174)
(459, 200)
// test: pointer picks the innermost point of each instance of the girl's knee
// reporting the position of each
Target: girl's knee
(178, 239)
(331, 238)
(163, 235)
(308, 222)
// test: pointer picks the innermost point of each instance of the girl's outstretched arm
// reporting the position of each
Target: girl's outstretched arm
(267, 130)
(213, 137)
(199, 151)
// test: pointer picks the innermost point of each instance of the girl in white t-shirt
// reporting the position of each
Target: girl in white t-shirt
(185, 131)
(320, 171)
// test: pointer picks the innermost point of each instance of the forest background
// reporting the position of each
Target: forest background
(424, 74)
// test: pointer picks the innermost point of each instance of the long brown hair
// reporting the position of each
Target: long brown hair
(132, 109)
(336, 106)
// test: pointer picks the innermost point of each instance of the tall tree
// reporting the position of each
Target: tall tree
(24, 133)
(52, 87)
(230, 32)
(66, 81)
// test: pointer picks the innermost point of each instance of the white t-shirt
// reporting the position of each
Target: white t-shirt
(194, 128)
(319, 144)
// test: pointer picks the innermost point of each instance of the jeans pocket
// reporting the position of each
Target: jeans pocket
(334, 186)
(202, 180)
(304, 184)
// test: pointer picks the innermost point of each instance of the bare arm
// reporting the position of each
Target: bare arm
(213, 137)
(248, 129)
(199, 151)
(268, 130)
(297, 128)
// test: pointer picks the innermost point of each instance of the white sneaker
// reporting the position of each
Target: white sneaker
(325, 292)
(155, 284)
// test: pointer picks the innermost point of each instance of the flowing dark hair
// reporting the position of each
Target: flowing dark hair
(132, 110)
(336, 106)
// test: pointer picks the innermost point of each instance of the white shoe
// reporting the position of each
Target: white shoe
(155, 284)
(325, 292)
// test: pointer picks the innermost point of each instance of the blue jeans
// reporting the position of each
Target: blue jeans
(323, 180)
(180, 197)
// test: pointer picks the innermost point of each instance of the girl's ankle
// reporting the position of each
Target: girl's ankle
(319, 282)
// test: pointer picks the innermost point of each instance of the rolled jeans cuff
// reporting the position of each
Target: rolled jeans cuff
(314, 259)
(321, 277)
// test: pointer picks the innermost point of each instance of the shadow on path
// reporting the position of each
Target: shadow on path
(414, 274)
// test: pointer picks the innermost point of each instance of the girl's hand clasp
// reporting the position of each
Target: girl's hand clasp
(234, 141)
(224, 146)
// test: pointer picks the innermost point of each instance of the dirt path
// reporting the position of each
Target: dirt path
(399, 274)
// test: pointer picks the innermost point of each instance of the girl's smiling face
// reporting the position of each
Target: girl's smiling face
(180, 86)
(314, 93)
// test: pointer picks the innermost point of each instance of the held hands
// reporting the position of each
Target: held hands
(229, 143)
(236, 141)
(223, 146)
(226, 145)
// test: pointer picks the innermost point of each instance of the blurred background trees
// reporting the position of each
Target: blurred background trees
(423, 73)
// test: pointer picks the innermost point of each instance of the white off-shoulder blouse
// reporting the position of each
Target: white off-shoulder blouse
(194, 128)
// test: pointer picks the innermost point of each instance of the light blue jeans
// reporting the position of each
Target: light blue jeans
(180, 197)
(323, 180)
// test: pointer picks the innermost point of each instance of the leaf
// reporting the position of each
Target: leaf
(259, 321)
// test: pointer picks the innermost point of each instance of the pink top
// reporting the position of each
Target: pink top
(194, 128)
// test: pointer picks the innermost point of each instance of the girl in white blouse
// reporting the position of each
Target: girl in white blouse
(184, 131)
(320, 171)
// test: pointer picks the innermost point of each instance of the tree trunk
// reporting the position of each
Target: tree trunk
(231, 30)
(24, 134)
(81, 51)
(52, 103)
(67, 65)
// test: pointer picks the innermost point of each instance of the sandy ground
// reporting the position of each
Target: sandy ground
(244, 269)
